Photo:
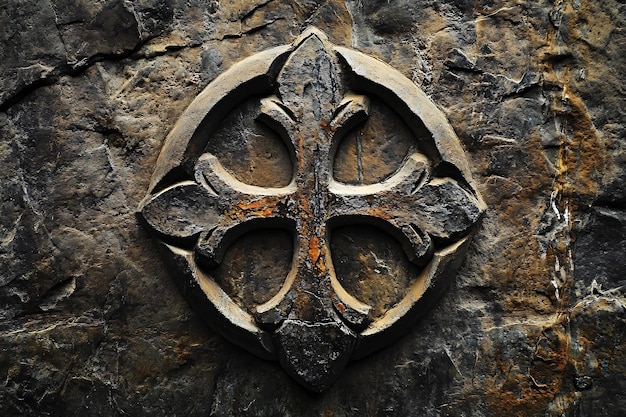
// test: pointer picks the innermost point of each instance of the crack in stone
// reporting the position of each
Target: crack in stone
(57, 73)
(250, 30)
(256, 7)
(70, 67)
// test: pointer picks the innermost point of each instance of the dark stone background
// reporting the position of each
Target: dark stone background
(91, 323)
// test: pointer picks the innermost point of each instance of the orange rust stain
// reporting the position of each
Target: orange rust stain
(315, 255)
(513, 392)
(257, 208)
(321, 265)
(327, 128)
(305, 208)
(314, 249)
(300, 150)
(379, 212)
(582, 163)
(582, 159)
(340, 307)
(254, 205)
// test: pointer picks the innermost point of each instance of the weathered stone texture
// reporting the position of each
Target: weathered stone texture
(91, 321)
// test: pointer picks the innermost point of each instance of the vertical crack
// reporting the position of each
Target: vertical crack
(359, 157)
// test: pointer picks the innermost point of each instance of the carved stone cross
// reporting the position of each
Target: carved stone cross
(313, 94)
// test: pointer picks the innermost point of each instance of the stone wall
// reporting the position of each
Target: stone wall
(91, 321)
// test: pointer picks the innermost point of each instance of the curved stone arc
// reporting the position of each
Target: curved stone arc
(425, 291)
(415, 244)
(353, 310)
(390, 83)
(412, 173)
(266, 311)
(220, 180)
(246, 78)
(205, 295)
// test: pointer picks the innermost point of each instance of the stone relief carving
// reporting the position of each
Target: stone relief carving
(313, 96)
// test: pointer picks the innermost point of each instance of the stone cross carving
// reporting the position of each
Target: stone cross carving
(312, 94)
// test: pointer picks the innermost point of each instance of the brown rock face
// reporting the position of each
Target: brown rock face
(94, 321)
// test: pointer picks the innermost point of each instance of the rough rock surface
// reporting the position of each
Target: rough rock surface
(91, 322)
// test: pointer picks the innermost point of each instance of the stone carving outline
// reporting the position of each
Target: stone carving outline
(196, 208)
